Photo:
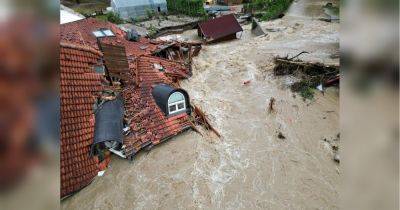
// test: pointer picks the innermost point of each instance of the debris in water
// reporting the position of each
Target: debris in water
(246, 82)
(100, 173)
(271, 105)
(281, 136)
(256, 28)
(336, 158)
(311, 74)
(320, 88)
(201, 119)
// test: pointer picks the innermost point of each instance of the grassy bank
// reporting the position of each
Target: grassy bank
(267, 9)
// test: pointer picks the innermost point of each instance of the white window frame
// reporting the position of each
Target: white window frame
(176, 105)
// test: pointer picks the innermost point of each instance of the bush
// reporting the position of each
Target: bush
(114, 18)
(152, 31)
(150, 13)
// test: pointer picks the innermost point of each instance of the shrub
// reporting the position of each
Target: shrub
(150, 13)
(114, 18)
(152, 31)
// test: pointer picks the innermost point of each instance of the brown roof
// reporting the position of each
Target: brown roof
(220, 27)
(79, 87)
(148, 123)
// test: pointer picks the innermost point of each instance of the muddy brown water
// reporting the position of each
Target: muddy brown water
(249, 167)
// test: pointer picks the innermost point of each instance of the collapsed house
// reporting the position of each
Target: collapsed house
(178, 51)
(138, 8)
(115, 96)
(219, 29)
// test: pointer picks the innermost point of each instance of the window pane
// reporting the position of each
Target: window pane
(98, 34)
(175, 97)
(172, 108)
(108, 32)
(181, 106)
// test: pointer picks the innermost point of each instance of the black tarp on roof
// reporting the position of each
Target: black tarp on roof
(109, 121)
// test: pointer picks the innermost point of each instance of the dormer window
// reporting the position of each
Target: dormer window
(170, 100)
(103, 33)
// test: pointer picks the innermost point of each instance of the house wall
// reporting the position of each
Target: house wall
(225, 38)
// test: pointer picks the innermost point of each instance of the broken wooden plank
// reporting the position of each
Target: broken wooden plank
(204, 121)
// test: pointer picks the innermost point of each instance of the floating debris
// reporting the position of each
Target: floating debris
(281, 136)
(312, 74)
(271, 105)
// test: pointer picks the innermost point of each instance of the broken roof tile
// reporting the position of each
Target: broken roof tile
(150, 124)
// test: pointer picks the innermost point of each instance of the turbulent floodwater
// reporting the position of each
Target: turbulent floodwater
(249, 167)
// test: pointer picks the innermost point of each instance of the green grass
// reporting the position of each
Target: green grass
(102, 17)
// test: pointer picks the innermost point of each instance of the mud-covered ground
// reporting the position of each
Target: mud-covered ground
(249, 167)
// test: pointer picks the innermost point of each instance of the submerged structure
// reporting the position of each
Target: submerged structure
(138, 8)
(219, 29)
(115, 96)
(151, 121)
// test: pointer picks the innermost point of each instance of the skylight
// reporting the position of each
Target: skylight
(103, 33)
(98, 34)
(108, 32)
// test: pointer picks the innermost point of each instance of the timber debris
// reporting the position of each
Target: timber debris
(311, 74)
(271, 105)
(201, 119)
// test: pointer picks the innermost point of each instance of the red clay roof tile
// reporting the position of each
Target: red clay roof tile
(148, 122)
(78, 88)
(81, 32)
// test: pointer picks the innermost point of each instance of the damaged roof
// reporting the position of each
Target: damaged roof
(220, 27)
(147, 121)
(81, 32)
(79, 87)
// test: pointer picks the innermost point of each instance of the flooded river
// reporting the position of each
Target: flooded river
(249, 167)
